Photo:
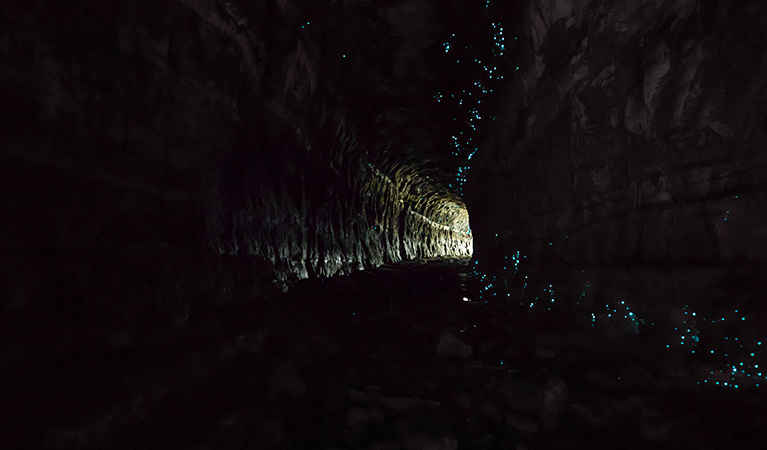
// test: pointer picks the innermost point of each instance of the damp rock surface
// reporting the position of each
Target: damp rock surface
(630, 137)
(451, 345)
(344, 366)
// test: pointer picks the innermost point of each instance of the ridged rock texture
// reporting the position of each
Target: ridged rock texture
(630, 154)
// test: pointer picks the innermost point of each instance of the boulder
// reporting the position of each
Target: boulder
(286, 378)
(451, 345)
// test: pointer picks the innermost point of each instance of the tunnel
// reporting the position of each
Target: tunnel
(383, 224)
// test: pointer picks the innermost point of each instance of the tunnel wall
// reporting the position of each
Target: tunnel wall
(630, 153)
(164, 156)
(322, 208)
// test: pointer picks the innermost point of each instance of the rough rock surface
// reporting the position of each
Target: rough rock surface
(162, 160)
(451, 345)
(632, 146)
(342, 367)
(167, 131)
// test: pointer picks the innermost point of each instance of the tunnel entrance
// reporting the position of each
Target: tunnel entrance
(450, 225)
(435, 224)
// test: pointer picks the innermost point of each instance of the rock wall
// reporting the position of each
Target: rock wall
(328, 206)
(631, 150)
(157, 156)
(167, 168)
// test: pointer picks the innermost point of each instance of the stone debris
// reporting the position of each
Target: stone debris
(273, 433)
(357, 415)
(388, 445)
(555, 396)
(283, 391)
(420, 441)
(451, 345)
(655, 432)
(252, 341)
(522, 424)
(398, 405)
(286, 378)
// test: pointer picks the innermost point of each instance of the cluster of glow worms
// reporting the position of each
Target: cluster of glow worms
(724, 344)
(470, 99)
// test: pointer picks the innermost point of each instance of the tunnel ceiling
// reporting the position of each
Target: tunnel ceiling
(385, 64)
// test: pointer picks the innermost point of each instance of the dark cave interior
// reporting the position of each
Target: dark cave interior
(383, 224)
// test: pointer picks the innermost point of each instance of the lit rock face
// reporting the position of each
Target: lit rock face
(330, 210)
(633, 138)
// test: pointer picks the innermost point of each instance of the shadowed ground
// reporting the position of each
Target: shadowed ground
(377, 360)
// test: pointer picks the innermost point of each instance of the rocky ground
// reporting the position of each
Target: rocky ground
(392, 358)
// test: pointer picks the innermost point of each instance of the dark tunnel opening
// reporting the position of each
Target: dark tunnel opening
(364, 224)
(277, 198)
